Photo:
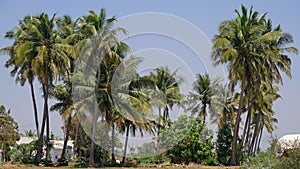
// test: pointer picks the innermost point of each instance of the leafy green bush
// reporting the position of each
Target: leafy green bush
(194, 141)
(23, 153)
(63, 162)
(262, 160)
(223, 144)
(290, 160)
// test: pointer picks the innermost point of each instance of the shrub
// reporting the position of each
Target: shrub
(223, 144)
(195, 144)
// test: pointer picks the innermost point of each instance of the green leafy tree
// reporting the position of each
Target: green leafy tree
(191, 139)
(223, 144)
(8, 130)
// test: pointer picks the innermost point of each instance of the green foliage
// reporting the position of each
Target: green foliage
(223, 144)
(23, 153)
(191, 139)
(63, 162)
(8, 130)
(291, 160)
(262, 160)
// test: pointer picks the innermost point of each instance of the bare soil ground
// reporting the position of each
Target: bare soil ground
(16, 166)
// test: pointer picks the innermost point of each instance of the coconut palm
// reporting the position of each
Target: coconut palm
(166, 86)
(100, 56)
(21, 64)
(205, 95)
(251, 52)
(63, 93)
(225, 106)
(48, 62)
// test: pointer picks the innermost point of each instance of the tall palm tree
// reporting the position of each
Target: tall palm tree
(205, 95)
(21, 64)
(100, 60)
(251, 52)
(166, 86)
(48, 63)
(67, 30)
(166, 94)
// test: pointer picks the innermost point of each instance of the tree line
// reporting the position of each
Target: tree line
(55, 51)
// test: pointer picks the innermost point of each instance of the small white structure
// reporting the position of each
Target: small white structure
(57, 149)
(286, 142)
(26, 140)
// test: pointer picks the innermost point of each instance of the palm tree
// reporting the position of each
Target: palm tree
(166, 86)
(251, 51)
(225, 107)
(63, 93)
(100, 61)
(166, 94)
(21, 64)
(48, 62)
(204, 96)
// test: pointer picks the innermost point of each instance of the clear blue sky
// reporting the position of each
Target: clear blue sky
(204, 15)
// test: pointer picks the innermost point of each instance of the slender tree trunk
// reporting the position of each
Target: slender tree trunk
(245, 138)
(105, 154)
(204, 113)
(94, 128)
(34, 108)
(76, 139)
(233, 160)
(254, 137)
(48, 138)
(247, 128)
(66, 137)
(259, 140)
(95, 118)
(38, 156)
(81, 142)
(126, 142)
(113, 158)
(158, 132)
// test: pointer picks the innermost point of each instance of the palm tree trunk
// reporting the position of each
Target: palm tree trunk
(158, 132)
(38, 156)
(34, 108)
(94, 127)
(113, 158)
(66, 137)
(81, 140)
(245, 138)
(76, 142)
(246, 132)
(204, 113)
(95, 118)
(233, 160)
(105, 154)
(126, 142)
(259, 140)
(48, 138)
(254, 137)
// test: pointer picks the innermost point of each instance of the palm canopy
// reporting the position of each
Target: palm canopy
(249, 42)
(41, 41)
(166, 89)
(205, 95)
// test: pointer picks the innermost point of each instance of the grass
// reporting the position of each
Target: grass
(16, 166)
